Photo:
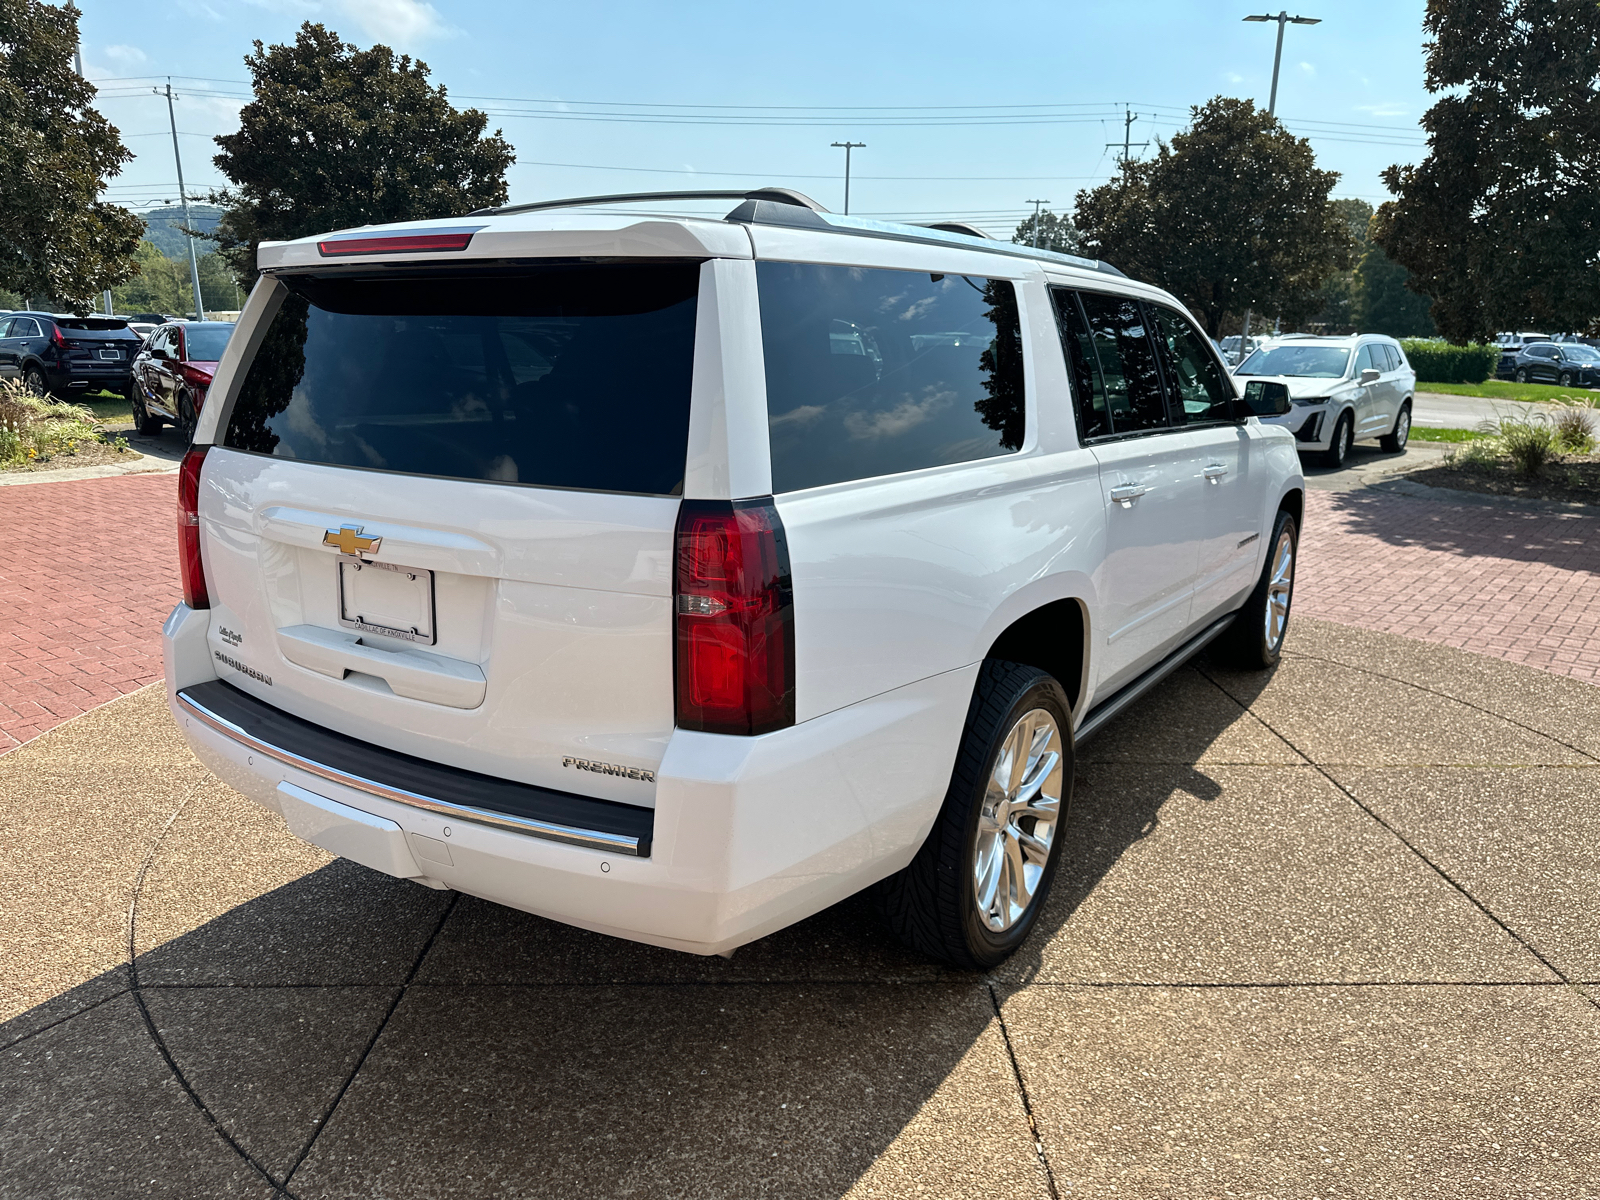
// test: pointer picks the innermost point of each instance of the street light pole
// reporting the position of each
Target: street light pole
(847, 147)
(1283, 18)
(183, 198)
(1036, 204)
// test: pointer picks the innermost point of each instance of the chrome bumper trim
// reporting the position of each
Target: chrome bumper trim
(589, 838)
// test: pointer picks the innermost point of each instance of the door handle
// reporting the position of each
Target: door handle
(1215, 471)
(1126, 493)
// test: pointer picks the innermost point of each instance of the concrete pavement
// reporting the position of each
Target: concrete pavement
(1324, 933)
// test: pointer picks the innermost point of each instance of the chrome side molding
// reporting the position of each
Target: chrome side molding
(592, 839)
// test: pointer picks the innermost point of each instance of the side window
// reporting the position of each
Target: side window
(1127, 362)
(1393, 356)
(1364, 361)
(1201, 393)
(873, 372)
(25, 327)
(1088, 391)
(5, 326)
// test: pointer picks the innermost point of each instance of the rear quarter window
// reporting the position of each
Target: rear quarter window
(874, 372)
(571, 376)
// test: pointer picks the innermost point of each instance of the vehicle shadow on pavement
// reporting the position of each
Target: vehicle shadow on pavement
(348, 1033)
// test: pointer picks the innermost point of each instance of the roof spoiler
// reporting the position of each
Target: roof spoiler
(765, 195)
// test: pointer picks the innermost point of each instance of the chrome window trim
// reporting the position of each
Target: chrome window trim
(588, 838)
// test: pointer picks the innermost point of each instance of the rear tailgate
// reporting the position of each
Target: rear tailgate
(439, 516)
(98, 347)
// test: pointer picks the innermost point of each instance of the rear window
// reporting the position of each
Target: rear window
(572, 376)
(207, 342)
(873, 372)
(92, 324)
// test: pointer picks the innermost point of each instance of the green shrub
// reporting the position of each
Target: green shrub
(1440, 362)
(37, 428)
(1575, 431)
(1529, 444)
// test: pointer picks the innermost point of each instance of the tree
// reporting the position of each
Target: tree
(57, 240)
(1233, 213)
(1384, 301)
(162, 284)
(1336, 306)
(1055, 233)
(1500, 223)
(337, 137)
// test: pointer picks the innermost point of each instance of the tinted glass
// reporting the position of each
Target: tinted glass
(5, 326)
(1581, 353)
(205, 343)
(1393, 355)
(1365, 360)
(1310, 362)
(873, 372)
(568, 376)
(1202, 394)
(1127, 362)
(26, 327)
(1088, 391)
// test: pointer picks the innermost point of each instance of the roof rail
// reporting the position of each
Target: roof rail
(959, 227)
(773, 195)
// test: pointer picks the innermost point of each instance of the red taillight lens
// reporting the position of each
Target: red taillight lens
(735, 618)
(396, 243)
(189, 565)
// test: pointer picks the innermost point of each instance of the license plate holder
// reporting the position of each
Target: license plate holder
(387, 599)
(115, 355)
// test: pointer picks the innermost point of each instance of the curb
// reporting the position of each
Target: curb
(148, 465)
(1422, 491)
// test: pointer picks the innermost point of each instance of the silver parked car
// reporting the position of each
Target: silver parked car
(1341, 389)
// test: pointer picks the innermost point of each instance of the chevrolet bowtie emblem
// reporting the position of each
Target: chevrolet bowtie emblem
(349, 540)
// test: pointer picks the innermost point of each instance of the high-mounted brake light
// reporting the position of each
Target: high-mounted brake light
(190, 567)
(734, 646)
(397, 243)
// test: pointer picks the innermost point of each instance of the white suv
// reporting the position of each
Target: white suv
(1341, 388)
(677, 576)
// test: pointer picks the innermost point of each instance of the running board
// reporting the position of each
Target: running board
(1098, 716)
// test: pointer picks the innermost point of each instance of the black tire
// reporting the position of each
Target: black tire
(186, 418)
(143, 422)
(1247, 644)
(1522, 376)
(33, 379)
(932, 904)
(1344, 436)
(1566, 379)
(1394, 442)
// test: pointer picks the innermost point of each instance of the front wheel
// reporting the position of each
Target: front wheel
(1395, 441)
(1344, 437)
(976, 887)
(1566, 379)
(1255, 639)
(186, 418)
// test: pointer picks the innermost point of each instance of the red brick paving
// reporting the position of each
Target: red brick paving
(1521, 586)
(88, 572)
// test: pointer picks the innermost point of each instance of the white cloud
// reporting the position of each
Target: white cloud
(1308, 68)
(126, 56)
(402, 22)
(1233, 77)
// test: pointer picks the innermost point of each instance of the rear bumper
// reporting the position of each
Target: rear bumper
(748, 835)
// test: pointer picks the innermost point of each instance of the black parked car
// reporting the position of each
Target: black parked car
(64, 354)
(1567, 364)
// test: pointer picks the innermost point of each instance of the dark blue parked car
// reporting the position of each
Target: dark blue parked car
(64, 355)
(1566, 364)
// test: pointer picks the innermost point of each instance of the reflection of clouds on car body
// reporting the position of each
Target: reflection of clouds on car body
(919, 309)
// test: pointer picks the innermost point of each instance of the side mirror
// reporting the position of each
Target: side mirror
(1266, 399)
(1370, 376)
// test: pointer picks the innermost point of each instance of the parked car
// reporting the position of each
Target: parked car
(1567, 364)
(63, 355)
(1230, 349)
(172, 373)
(1511, 345)
(1343, 389)
(677, 577)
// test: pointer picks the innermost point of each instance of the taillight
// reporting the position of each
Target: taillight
(56, 339)
(734, 646)
(189, 564)
(398, 241)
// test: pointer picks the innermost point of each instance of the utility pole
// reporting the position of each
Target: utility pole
(847, 147)
(183, 198)
(1283, 18)
(1128, 118)
(1036, 204)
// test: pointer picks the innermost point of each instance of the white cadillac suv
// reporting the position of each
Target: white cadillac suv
(1341, 389)
(678, 576)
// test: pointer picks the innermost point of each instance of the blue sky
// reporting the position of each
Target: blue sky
(966, 109)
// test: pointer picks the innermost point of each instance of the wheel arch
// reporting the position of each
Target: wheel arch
(1293, 502)
(1053, 637)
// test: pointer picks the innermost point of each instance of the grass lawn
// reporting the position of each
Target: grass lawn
(108, 407)
(1423, 433)
(1500, 389)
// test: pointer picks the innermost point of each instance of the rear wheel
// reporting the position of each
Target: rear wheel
(1344, 436)
(33, 379)
(1395, 442)
(976, 887)
(1522, 375)
(1255, 639)
(143, 422)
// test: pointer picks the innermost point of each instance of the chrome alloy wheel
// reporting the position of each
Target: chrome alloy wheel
(1280, 583)
(1402, 430)
(1017, 823)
